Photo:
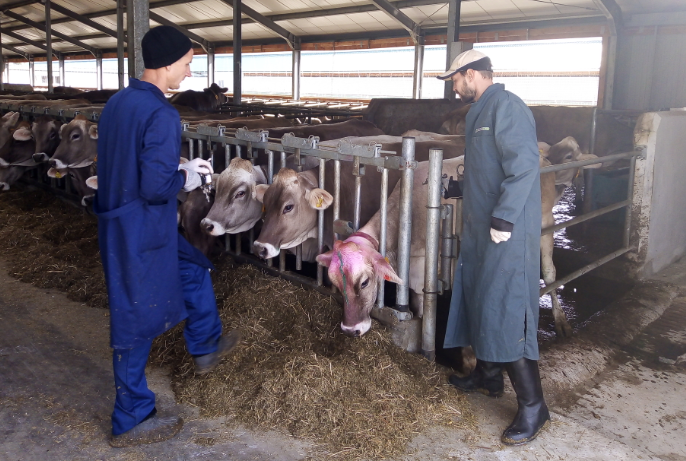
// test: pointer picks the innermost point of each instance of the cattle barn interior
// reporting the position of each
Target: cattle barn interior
(612, 229)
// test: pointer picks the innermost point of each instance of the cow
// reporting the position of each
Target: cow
(7, 124)
(358, 262)
(396, 115)
(292, 201)
(193, 209)
(16, 156)
(76, 154)
(46, 132)
(209, 99)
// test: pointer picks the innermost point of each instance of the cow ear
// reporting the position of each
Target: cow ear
(22, 134)
(93, 131)
(62, 129)
(543, 148)
(183, 160)
(258, 192)
(12, 119)
(55, 173)
(92, 182)
(319, 199)
(383, 270)
(325, 258)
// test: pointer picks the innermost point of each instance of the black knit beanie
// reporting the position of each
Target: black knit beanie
(163, 46)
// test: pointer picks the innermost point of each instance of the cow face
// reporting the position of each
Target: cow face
(16, 156)
(565, 151)
(218, 93)
(236, 208)
(78, 146)
(355, 268)
(46, 132)
(291, 204)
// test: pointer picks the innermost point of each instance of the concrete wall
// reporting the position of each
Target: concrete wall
(659, 218)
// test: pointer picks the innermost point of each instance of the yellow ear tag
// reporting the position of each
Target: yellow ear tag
(320, 202)
(386, 258)
(58, 175)
(95, 159)
(540, 151)
(263, 209)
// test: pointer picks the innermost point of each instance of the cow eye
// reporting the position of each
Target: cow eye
(364, 283)
(53, 135)
(75, 136)
(568, 156)
(287, 209)
(240, 194)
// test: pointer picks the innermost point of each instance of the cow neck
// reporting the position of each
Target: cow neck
(367, 237)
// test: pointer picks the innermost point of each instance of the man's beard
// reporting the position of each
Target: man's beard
(467, 95)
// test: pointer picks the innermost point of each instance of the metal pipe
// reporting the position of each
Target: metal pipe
(32, 71)
(237, 52)
(585, 217)
(210, 66)
(383, 212)
(121, 72)
(299, 257)
(630, 198)
(320, 224)
(62, 76)
(238, 151)
(3, 77)
(418, 75)
(98, 70)
(405, 225)
(433, 223)
(594, 127)
(357, 171)
(592, 161)
(190, 148)
(201, 148)
(447, 248)
(270, 166)
(282, 254)
(558, 283)
(295, 76)
(48, 45)
(227, 155)
(336, 194)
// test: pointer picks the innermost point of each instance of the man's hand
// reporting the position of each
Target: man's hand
(194, 170)
(500, 236)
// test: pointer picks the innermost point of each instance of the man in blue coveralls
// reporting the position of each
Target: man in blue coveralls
(494, 306)
(155, 278)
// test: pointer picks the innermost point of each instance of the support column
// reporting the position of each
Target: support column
(98, 70)
(418, 74)
(3, 78)
(61, 61)
(295, 75)
(32, 73)
(210, 66)
(120, 43)
(7, 71)
(237, 53)
(48, 45)
(453, 45)
(138, 22)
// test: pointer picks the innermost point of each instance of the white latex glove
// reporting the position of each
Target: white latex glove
(500, 236)
(194, 170)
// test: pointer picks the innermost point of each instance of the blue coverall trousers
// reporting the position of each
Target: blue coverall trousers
(134, 401)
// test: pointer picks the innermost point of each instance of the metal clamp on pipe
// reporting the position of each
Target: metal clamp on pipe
(290, 140)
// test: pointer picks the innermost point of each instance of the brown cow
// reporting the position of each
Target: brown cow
(46, 132)
(16, 156)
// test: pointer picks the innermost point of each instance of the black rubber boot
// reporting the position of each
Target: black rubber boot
(486, 378)
(532, 412)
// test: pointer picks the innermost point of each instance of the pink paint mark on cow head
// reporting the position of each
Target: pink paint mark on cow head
(355, 268)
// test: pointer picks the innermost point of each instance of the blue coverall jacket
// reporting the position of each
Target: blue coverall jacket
(138, 180)
(494, 306)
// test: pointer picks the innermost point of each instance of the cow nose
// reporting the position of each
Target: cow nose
(38, 158)
(53, 163)
(356, 334)
(209, 227)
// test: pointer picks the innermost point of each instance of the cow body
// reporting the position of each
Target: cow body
(207, 100)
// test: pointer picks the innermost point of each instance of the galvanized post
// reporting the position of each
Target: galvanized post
(358, 172)
(336, 194)
(433, 222)
(282, 253)
(120, 43)
(418, 75)
(190, 148)
(210, 66)
(201, 148)
(594, 126)
(383, 212)
(32, 71)
(138, 19)
(98, 70)
(405, 225)
(295, 75)
(48, 45)
(320, 224)
(62, 76)
(237, 53)
(270, 166)
(453, 44)
(447, 248)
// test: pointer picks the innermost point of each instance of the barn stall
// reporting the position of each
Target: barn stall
(653, 252)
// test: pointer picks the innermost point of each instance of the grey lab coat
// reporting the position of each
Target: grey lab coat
(494, 306)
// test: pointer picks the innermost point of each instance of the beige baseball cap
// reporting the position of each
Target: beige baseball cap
(470, 59)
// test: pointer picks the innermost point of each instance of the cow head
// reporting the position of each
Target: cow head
(236, 208)
(16, 155)
(218, 93)
(565, 151)
(291, 204)
(355, 268)
(78, 146)
(46, 132)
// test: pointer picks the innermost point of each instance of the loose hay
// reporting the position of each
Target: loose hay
(358, 398)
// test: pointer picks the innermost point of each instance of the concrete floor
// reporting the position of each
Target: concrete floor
(56, 396)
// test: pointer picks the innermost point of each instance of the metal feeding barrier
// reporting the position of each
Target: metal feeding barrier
(208, 142)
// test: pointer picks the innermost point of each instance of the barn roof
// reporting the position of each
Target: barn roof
(92, 24)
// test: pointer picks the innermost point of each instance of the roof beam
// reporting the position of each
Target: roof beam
(84, 20)
(196, 38)
(404, 20)
(15, 50)
(292, 40)
(30, 42)
(13, 15)
(18, 4)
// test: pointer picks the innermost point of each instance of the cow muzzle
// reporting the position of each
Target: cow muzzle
(265, 250)
(40, 157)
(57, 164)
(212, 227)
(357, 330)
(4, 186)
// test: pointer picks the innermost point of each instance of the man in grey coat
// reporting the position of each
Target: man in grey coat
(494, 306)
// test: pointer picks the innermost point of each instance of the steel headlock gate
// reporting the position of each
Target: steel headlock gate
(208, 142)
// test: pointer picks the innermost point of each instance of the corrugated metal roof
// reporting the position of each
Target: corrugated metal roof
(297, 16)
